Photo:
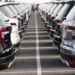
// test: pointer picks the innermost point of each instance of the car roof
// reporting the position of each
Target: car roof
(6, 3)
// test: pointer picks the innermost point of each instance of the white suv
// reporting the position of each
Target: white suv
(15, 38)
(7, 52)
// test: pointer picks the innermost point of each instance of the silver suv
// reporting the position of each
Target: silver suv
(15, 38)
(58, 23)
(67, 48)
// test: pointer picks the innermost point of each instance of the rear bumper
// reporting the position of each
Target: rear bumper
(67, 54)
(8, 58)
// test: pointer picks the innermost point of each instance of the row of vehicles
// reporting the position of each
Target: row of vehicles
(13, 22)
(59, 19)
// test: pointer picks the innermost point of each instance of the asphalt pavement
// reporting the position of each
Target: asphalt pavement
(37, 56)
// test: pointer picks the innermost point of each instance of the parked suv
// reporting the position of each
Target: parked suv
(47, 15)
(6, 51)
(50, 14)
(67, 48)
(15, 38)
(52, 28)
(58, 23)
(19, 18)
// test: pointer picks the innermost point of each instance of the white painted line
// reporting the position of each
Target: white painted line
(26, 36)
(50, 48)
(41, 48)
(27, 48)
(39, 71)
(29, 41)
(55, 71)
(33, 41)
(18, 72)
(32, 32)
(50, 57)
(24, 58)
(59, 71)
(42, 57)
(48, 41)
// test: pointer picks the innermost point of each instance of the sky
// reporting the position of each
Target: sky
(33, 1)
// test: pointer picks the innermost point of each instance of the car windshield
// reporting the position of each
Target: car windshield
(71, 15)
(7, 11)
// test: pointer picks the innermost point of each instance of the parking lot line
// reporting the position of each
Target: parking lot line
(39, 72)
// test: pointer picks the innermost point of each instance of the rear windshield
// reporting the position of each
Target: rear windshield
(2, 20)
(71, 15)
(13, 9)
(50, 6)
(63, 11)
(53, 8)
(57, 9)
(7, 11)
(17, 8)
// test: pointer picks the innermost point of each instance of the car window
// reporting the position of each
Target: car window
(71, 15)
(57, 9)
(63, 11)
(6, 11)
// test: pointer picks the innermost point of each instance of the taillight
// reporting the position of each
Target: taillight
(58, 21)
(1, 34)
(71, 30)
(5, 65)
(72, 62)
(13, 24)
